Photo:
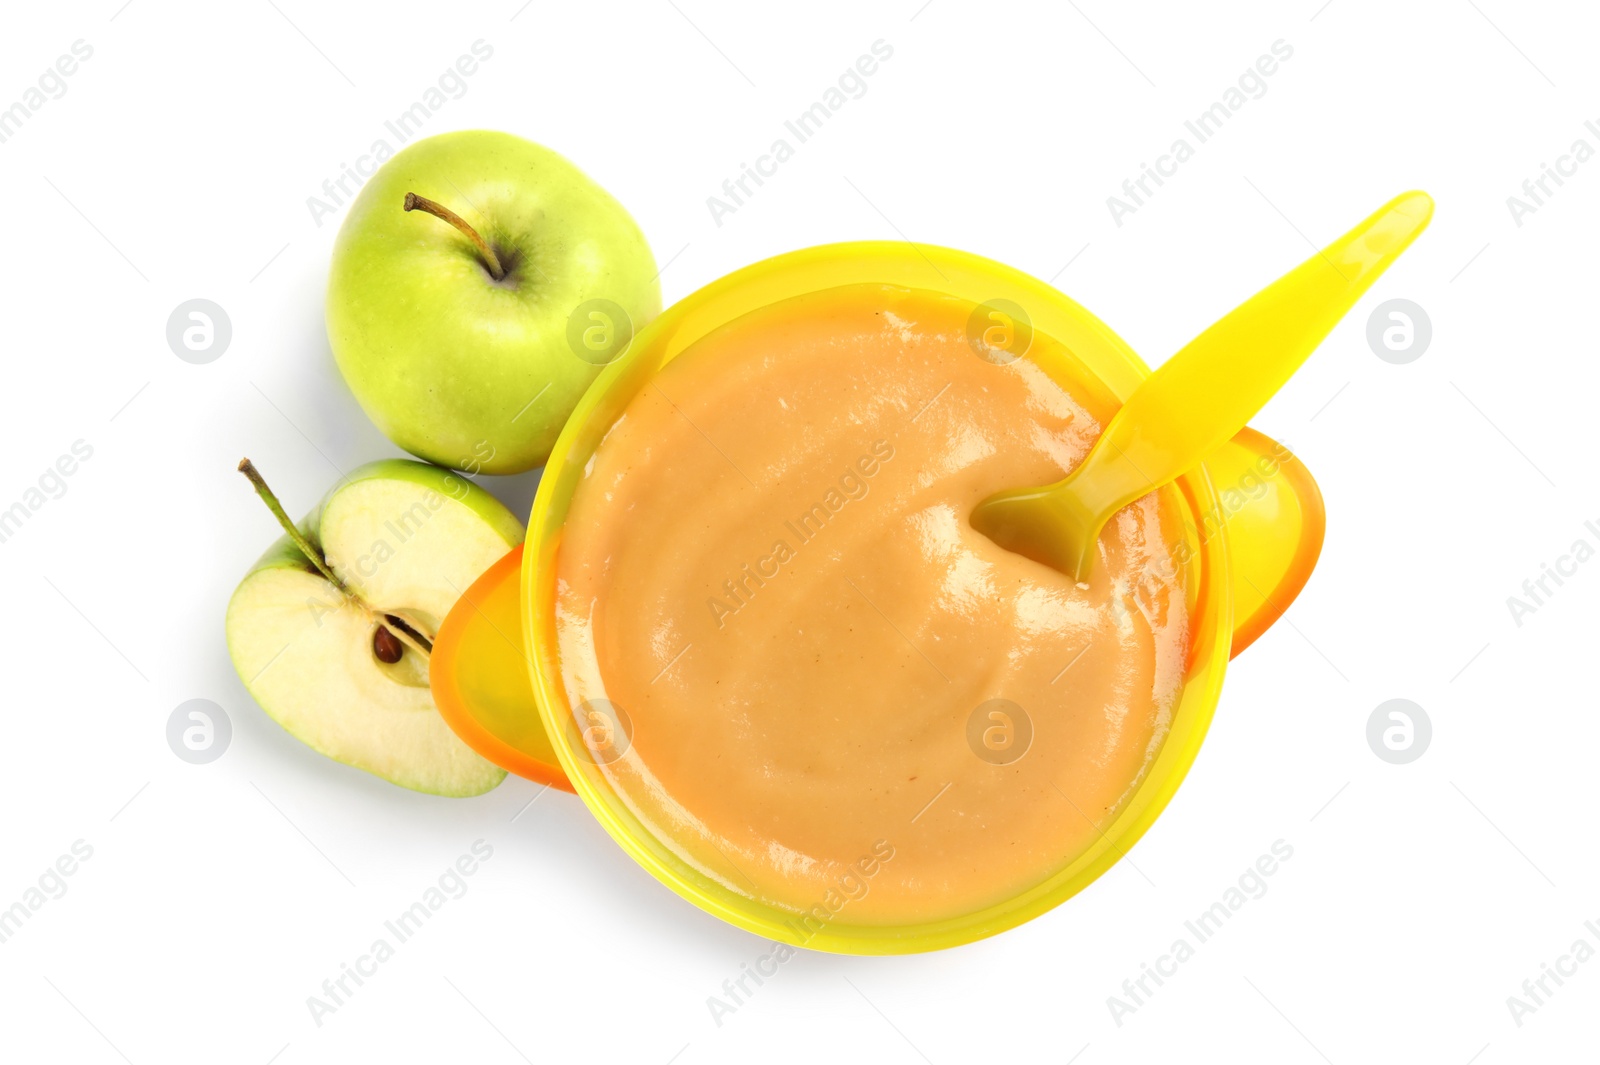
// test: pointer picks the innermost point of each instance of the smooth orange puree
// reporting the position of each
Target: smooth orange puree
(769, 569)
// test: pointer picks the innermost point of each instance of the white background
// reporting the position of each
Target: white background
(219, 897)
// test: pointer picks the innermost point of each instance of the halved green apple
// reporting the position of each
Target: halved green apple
(331, 631)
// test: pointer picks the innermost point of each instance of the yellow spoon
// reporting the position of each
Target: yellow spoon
(1201, 396)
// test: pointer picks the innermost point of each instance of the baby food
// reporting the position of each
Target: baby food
(808, 675)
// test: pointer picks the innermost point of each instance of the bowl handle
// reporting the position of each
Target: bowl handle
(1272, 511)
(479, 676)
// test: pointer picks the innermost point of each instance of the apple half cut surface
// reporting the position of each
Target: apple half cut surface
(345, 669)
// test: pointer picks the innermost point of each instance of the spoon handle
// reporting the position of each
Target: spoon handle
(1208, 391)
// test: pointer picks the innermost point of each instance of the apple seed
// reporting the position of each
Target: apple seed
(386, 647)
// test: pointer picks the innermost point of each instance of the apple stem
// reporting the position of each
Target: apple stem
(438, 210)
(306, 547)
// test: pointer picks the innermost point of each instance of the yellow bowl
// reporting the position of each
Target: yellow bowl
(1103, 364)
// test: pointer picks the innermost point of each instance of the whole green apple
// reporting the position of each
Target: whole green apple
(469, 336)
(332, 629)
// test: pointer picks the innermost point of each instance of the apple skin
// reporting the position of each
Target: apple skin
(308, 662)
(452, 365)
(447, 483)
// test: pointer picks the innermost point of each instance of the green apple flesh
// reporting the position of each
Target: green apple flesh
(455, 365)
(406, 539)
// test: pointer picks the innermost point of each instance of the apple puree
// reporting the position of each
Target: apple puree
(769, 571)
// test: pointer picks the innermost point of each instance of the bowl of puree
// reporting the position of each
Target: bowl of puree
(773, 658)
